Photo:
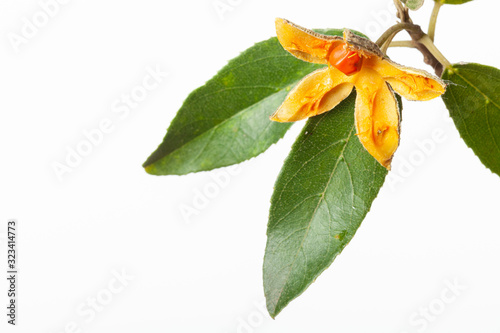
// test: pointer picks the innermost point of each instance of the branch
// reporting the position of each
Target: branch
(422, 43)
(403, 13)
(419, 40)
(392, 31)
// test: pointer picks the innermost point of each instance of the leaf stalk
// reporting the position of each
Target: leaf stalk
(402, 43)
(433, 20)
(429, 44)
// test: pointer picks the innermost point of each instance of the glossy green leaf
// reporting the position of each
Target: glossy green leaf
(226, 121)
(473, 99)
(324, 191)
(413, 4)
(452, 2)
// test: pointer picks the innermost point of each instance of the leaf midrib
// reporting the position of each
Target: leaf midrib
(476, 88)
(485, 111)
(341, 156)
(224, 121)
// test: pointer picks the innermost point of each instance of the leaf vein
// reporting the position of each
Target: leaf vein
(341, 156)
(487, 115)
(477, 89)
(306, 162)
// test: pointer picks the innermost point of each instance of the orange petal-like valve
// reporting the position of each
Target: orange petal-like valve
(316, 93)
(411, 83)
(376, 116)
(305, 44)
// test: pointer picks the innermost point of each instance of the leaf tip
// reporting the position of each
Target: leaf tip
(150, 168)
(272, 310)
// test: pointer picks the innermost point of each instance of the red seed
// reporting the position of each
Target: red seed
(346, 61)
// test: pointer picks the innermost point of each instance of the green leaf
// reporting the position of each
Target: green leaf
(413, 4)
(473, 99)
(226, 121)
(324, 191)
(452, 2)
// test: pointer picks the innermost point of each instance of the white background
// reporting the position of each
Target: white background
(436, 218)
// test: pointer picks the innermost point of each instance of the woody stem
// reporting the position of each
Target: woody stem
(402, 12)
(389, 34)
(419, 39)
(431, 54)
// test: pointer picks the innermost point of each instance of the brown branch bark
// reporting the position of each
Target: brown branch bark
(416, 33)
